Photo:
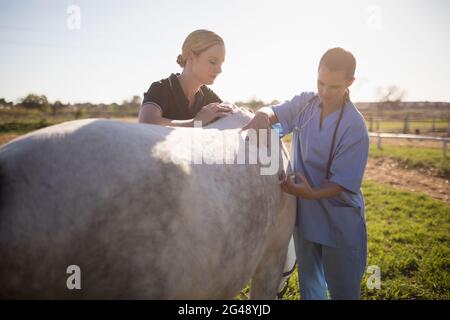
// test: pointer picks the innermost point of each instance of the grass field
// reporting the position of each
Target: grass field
(397, 126)
(414, 157)
(11, 128)
(409, 240)
(23, 127)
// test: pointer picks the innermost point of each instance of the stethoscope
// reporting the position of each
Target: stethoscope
(309, 105)
(297, 130)
(277, 126)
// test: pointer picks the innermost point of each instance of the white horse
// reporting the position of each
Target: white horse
(108, 197)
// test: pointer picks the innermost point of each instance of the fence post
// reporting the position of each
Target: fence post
(379, 141)
(406, 124)
(444, 149)
(379, 120)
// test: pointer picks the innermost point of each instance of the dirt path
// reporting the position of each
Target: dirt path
(388, 171)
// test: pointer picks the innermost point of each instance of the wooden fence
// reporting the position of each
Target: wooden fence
(380, 136)
(408, 125)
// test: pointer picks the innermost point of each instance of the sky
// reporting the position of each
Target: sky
(108, 51)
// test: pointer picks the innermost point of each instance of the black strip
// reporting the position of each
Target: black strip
(330, 156)
(288, 273)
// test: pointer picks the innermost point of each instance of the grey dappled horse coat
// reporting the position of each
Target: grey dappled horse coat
(107, 196)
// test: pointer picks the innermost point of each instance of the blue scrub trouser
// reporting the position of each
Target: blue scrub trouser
(322, 267)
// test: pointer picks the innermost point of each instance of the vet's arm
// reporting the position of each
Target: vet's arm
(264, 118)
(303, 190)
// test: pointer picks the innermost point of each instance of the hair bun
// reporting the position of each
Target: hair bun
(181, 61)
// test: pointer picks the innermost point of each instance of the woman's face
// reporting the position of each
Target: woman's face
(208, 65)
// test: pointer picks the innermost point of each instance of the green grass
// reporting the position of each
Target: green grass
(414, 157)
(409, 240)
(25, 127)
(397, 126)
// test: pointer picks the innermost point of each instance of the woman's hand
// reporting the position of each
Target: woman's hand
(302, 189)
(212, 112)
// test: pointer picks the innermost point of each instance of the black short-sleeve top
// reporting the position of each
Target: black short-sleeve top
(168, 95)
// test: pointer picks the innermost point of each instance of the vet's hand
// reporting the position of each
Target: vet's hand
(260, 121)
(302, 189)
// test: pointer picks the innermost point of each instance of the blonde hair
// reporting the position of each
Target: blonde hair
(197, 42)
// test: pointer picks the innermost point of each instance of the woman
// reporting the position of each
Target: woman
(181, 99)
(329, 153)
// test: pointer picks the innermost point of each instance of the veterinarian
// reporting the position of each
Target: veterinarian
(329, 154)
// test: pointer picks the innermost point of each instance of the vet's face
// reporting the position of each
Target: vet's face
(332, 85)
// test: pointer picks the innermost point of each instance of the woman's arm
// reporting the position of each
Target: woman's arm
(151, 113)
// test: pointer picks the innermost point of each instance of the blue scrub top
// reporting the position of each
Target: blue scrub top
(339, 221)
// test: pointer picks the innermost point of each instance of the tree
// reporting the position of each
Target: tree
(114, 107)
(392, 94)
(274, 102)
(34, 101)
(5, 104)
(254, 104)
(134, 102)
(57, 106)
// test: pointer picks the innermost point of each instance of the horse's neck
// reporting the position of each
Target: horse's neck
(238, 120)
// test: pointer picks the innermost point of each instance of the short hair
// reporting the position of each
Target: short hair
(338, 59)
(197, 42)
